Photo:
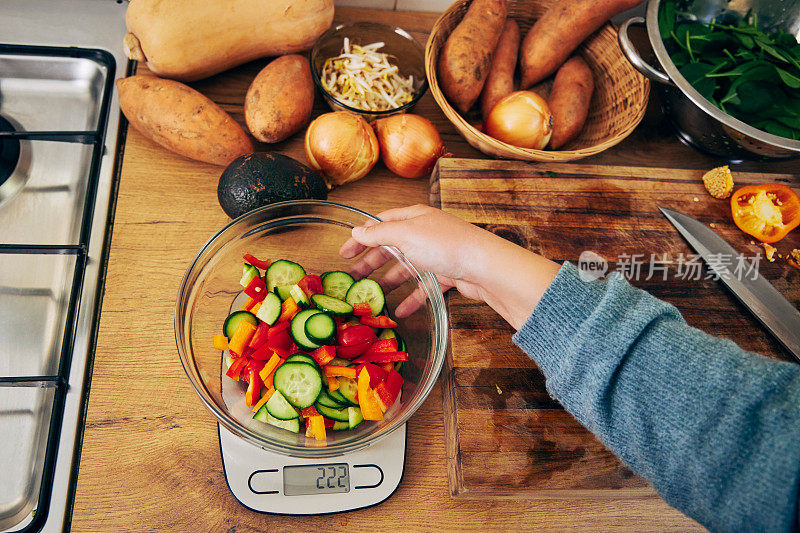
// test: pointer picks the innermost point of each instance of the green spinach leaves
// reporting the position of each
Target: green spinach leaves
(750, 75)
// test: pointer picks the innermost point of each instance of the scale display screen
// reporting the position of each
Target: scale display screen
(316, 479)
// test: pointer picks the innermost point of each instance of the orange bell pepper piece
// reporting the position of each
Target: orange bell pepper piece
(370, 408)
(344, 371)
(288, 309)
(767, 212)
(241, 337)
(220, 342)
(315, 427)
(333, 383)
(268, 371)
(264, 399)
(248, 305)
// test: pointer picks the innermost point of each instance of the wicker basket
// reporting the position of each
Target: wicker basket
(618, 103)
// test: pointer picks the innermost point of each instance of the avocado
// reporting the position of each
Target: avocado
(262, 178)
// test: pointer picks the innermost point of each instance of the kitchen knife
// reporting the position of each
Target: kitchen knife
(769, 306)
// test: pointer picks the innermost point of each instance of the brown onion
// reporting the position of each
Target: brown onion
(410, 144)
(523, 119)
(342, 146)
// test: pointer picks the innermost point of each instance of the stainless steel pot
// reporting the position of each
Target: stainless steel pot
(697, 121)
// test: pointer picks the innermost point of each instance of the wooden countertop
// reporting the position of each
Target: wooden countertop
(150, 458)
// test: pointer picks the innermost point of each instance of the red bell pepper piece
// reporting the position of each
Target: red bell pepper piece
(309, 412)
(349, 352)
(376, 373)
(311, 284)
(235, 370)
(382, 346)
(328, 422)
(256, 289)
(324, 354)
(357, 335)
(260, 336)
(388, 367)
(251, 260)
(388, 389)
(362, 309)
(378, 322)
(253, 381)
(279, 340)
(262, 354)
(280, 326)
(341, 325)
(383, 357)
(394, 380)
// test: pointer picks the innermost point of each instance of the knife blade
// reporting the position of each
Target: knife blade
(770, 307)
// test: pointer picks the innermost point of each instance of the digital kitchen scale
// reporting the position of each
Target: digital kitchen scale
(273, 483)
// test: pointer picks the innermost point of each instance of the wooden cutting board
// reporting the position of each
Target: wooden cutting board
(506, 437)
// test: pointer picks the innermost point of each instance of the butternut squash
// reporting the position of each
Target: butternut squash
(189, 40)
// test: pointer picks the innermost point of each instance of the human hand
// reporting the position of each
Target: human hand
(479, 264)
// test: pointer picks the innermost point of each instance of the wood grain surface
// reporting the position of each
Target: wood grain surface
(150, 454)
(506, 437)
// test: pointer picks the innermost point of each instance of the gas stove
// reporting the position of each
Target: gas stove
(59, 124)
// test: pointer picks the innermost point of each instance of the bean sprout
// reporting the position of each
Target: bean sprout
(363, 78)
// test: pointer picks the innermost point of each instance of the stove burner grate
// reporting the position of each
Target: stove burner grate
(9, 152)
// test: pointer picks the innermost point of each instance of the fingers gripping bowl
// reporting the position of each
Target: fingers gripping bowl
(310, 232)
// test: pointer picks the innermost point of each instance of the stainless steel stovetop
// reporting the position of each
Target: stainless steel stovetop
(59, 124)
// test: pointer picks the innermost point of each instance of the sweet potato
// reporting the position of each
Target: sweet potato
(191, 39)
(562, 28)
(182, 120)
(467, 54)
(280, 99)
(569, 100)
(500, 81)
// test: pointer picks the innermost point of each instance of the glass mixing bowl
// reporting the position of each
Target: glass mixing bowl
(308, 232)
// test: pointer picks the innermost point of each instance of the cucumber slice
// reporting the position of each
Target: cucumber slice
(320, 328)
(336, 283)
(332, 306)
(299, 296)
(278, 407)
(334, 414)
(299, 382)
(298, 329)
(248, 273)
(290, 425)
(387, 333)
(338, 361)
(270, 309)
(337, 396)
(340, 426)
(283, 272)
(355, 416)
(283, 292)
(366, 290)
(348, 388)
(302, 358)
(326, 400)
(233, 320)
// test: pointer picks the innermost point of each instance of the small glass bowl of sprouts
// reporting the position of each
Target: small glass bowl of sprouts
(370, 69)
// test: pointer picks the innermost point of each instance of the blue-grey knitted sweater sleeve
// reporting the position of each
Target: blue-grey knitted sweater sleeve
(714, 428)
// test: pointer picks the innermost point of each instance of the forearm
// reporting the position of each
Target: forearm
(715, 429)
(510, 279)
